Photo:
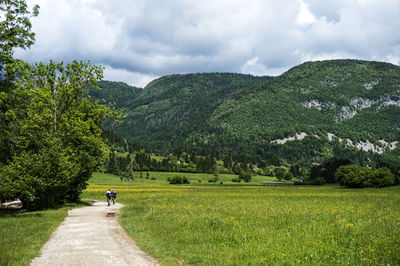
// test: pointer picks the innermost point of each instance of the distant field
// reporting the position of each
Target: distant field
(161, 179)
(242, 225)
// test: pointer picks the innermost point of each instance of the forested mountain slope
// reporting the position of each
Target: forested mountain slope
(116, 92)
(174, 107)
(349, 98)
(334, 105)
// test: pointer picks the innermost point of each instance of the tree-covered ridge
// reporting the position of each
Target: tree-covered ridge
(241, 115)
(173, 107)
(116, 92)
(284, 108)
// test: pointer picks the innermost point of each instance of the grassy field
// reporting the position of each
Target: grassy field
(161, 178)
(257, 225)
(101, 182)
(23, 235)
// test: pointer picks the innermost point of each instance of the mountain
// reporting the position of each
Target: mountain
(344, 97)
(173, 108)
(312, 112)
(119, 93)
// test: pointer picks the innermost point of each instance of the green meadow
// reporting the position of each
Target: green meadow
(238, 224)
(161, 178)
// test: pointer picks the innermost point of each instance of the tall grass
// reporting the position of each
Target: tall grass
(241, 225)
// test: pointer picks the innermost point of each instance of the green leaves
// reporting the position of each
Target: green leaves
(357, 177)
(56, 131)
(15, 26)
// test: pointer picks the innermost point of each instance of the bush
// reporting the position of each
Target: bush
(289, 176)
(381, 177)
(280, 173)
(213, 179)
(319, 181)
(236, 180)
(178, 180)
(351, 176)
(357, 177)
(246, 176)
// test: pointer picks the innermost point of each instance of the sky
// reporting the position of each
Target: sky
(140, 40)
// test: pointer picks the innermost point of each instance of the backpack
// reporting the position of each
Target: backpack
(108, 194)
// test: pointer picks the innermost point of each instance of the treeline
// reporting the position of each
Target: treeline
(332, 171)
(125, 164)
(128, 157)
(350, 175)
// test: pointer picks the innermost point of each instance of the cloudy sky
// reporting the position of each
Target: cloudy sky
(139, 40)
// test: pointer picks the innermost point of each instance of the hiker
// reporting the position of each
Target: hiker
(108, 194)
(114, 195)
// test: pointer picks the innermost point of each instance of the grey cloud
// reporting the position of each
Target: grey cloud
(143, 39)
(330, 9)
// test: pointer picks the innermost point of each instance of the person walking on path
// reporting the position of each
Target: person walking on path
(108, 195)
(114, 196)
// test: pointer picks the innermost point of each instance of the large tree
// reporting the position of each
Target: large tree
(15, 32)
(51, 139)
(56, 139)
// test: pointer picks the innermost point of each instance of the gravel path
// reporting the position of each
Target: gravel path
(92, 236)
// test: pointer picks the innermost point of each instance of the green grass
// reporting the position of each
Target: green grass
(23, 235)
(258, 225)
(161, 178)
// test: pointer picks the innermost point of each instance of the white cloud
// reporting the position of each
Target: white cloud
(305, 17)
(132, 78)
(137, 40)
(252, 66)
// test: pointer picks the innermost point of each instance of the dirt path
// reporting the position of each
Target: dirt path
(92, 236)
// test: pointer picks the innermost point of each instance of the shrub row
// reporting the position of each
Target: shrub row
(178, 180)
(357, 176)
